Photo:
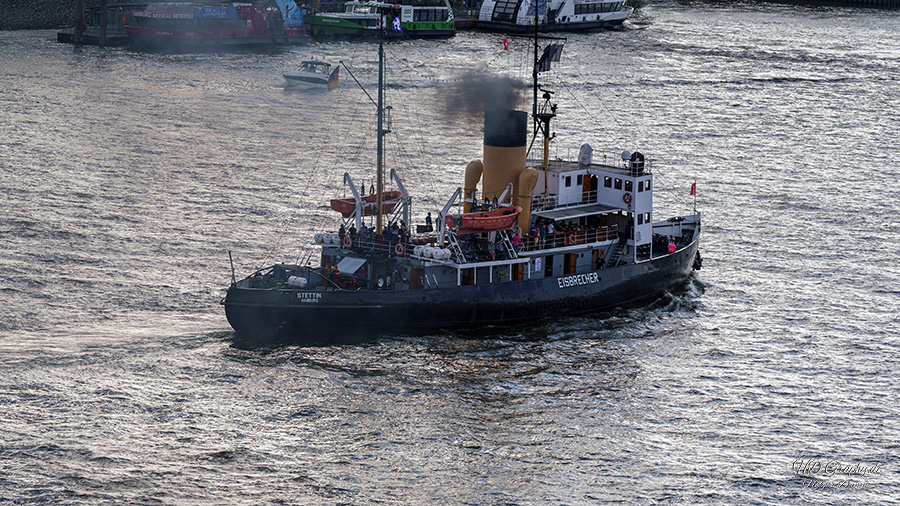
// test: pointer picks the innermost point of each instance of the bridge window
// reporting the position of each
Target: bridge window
(594, 8)
(505, 10)
(568, 181)
(640, 186)
(607, 182)
(430, 15)
(628, 185)
(618, 185)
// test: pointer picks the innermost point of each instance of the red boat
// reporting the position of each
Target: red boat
(488, 221)
(389, 201)
(193, 24)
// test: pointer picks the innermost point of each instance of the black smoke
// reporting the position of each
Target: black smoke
(476, 91)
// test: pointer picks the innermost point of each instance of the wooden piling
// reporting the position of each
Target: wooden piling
(103, 11)
(79, 21)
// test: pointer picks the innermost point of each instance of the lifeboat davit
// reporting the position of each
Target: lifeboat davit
(488, 221)
(389, 201)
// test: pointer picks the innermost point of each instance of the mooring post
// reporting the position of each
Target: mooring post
(79, 20)
(103, 8)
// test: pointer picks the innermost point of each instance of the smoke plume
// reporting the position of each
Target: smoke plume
(481, 90)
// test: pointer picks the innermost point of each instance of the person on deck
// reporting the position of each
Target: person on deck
(335, 275)
(365, 236)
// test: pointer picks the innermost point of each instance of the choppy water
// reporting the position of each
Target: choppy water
(126, 177)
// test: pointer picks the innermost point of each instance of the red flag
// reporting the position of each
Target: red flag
(333, 79)
(505, 44)
(694, 189)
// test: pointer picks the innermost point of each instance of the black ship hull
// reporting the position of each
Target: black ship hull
(305, 316)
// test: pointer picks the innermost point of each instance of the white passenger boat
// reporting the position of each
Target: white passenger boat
(518, 16)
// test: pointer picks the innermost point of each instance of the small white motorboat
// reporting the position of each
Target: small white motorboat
(314, 72)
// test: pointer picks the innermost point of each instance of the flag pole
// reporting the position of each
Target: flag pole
(694, 188)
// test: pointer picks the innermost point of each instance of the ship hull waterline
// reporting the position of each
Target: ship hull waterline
(342, 315)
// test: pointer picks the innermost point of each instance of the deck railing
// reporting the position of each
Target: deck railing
(394, 247)
(562, 239)
(551, 202)
(390, 245)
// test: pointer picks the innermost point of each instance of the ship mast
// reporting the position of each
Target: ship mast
(547, 112)
(534, 69)
(379, 179)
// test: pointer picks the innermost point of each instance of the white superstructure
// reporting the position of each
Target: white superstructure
(553, 15)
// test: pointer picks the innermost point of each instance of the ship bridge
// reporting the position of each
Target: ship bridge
(579, 189)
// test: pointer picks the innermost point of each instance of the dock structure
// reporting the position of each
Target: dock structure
(103, 24)
(100, 25)
(871, 4)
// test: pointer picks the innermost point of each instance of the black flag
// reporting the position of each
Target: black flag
(551, 53)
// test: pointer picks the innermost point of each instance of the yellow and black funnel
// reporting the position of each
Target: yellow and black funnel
(505, 147)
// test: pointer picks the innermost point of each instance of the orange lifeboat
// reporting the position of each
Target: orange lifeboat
(489, 221)
(389, 201)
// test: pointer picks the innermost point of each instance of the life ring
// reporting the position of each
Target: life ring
(399, 249)
(570, 239)
(347, 241)
(627, 198)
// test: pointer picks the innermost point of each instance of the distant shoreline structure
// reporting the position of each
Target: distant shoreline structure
(45, 14)
(870, 4)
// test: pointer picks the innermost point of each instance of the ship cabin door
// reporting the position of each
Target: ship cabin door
(518, 272)
(548, 266)
(589, 189)
(415, 278)
(599, 257)
(468, 276)
(571, 263)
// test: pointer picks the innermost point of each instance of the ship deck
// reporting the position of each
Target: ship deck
(558, 166)
(576, 211)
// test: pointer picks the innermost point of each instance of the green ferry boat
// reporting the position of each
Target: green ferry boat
(362, 19)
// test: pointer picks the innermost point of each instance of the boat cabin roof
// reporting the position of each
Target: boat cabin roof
(566, 213)
(314, 64)
(562, 166)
